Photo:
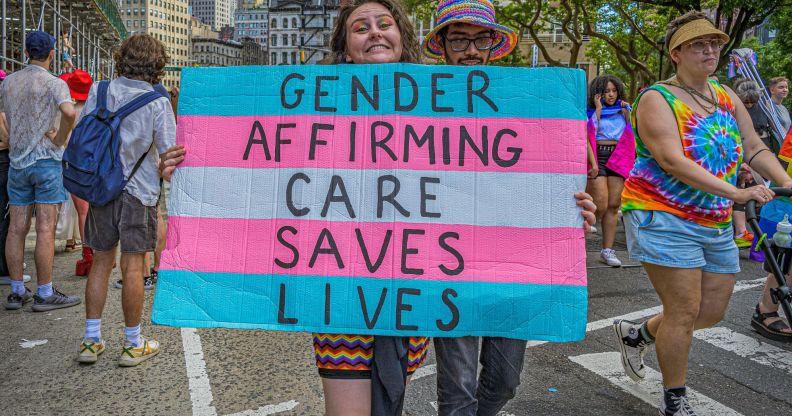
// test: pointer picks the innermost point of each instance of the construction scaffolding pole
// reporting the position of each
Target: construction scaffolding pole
(24, 28)
(5, 36)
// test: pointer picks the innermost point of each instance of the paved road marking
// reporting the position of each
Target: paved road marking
(747, 347)
(608, 366)
(200, 389)
(607, 322)
(423, 371)
(269, 409)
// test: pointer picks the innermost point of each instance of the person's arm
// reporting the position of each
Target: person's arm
(3, 132)
(765, 162)
(164, 137)
(656, 126)
(598, 107)
(68, 117)
(594, 171)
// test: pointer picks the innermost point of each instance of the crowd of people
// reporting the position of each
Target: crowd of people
(673, 187)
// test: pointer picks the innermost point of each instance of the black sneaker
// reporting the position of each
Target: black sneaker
(673, 405)
(55, 301)
(148, 283)
(16, 301)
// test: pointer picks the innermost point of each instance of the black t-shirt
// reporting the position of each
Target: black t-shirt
(760, 121)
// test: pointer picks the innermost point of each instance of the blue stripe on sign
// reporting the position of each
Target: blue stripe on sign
(502, 199)
(522, 311)
(256, 91)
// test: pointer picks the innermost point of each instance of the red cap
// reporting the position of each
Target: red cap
(79, 83)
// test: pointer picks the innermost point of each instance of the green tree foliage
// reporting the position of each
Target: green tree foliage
(625, 38)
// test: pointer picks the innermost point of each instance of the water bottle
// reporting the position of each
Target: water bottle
(782, 237)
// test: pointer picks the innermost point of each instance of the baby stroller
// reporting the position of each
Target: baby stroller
(773, 255)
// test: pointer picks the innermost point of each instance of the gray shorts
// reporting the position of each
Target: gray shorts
(125, 219)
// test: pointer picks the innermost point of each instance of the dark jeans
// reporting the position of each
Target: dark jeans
(459, 393)
(5, 220)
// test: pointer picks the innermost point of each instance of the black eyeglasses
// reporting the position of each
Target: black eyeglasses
(483, 43)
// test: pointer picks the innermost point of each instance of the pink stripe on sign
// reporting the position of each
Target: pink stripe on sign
(544, 145)
(490, 254)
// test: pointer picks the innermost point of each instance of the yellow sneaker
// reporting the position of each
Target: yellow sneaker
(90, 350)
(132, 355)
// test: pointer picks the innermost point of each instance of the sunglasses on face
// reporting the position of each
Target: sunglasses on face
(701, 45)
(483, 43)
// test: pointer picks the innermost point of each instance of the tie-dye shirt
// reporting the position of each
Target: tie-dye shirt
(713, 142)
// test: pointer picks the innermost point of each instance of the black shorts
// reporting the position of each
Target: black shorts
(604, 152)
(125, 220)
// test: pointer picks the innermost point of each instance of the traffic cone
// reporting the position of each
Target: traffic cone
(83, 266)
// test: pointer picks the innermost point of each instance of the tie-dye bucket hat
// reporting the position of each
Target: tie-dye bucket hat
(474, 12)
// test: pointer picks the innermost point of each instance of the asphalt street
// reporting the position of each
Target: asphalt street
(238, 372)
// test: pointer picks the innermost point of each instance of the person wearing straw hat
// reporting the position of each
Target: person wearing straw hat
(692, 135)
(467, 34)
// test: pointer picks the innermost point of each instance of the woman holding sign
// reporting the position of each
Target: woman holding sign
(678, 201)
(368, 32)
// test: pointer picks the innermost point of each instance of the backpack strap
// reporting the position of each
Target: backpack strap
(140, 162)
(101, 99)
(136, 104)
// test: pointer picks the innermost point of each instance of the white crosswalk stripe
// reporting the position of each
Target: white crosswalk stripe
(608, 366)
(747, 347)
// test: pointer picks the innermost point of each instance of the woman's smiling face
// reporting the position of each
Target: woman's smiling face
(372, 36)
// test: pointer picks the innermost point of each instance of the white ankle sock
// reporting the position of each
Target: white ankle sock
(93, 329)
(132, 334)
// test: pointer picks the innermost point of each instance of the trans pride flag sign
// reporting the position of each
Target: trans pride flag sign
(379, 199)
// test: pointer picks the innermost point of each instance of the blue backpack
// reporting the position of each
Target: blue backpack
(92, 167)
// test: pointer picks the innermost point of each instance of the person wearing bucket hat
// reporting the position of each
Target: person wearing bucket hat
(691, 135)
(467, 34)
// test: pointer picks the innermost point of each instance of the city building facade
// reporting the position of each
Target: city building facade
(216, 13)
(300, 30)
(165, 20)
(216, 52)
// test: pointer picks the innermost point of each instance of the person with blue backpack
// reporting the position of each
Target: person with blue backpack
(113, 162)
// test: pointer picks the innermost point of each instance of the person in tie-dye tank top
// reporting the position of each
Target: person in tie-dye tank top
(677, 202)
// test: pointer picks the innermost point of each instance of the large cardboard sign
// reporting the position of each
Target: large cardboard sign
(389, 199)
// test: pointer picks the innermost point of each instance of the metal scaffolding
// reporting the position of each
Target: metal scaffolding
(94, 26)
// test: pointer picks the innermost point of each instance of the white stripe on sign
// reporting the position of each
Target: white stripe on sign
(747, 347)
(608, 365)
(200, 389)
(269, 409)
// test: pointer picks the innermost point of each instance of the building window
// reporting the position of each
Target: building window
(285, 23)
(294, 58)
(274, 24)
(294, 22)
(284, 58)
(274, 41)
(274, 59)
(302, 40)
(294, 39)
(285, 40)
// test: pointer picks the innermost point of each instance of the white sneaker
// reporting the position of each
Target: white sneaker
(593, 229)
(632, 348)
(608, 256)
(6, 280)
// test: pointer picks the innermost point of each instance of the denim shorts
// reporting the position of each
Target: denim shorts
(40, 183)
(661, 238)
